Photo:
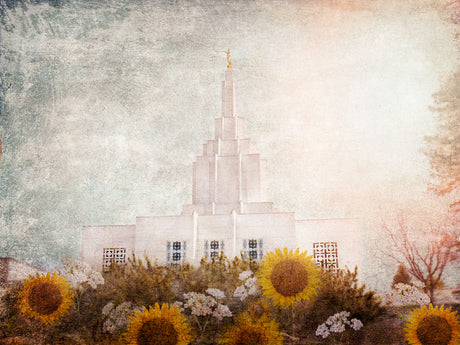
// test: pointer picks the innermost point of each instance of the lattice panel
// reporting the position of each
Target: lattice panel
(325, 255)
(113, 255)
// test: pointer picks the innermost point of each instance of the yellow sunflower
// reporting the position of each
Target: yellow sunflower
(427, 326)
(45, 297)
(157, 325)
(250, 331)
(287, 276)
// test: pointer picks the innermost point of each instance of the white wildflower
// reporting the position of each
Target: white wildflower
(337, 327)
(356, 324)
(388, 296)
(336, 323)
(322, 330)
(107, 308)
(221, 311)
(250, 282)
(118, 317)
(108, 327)
(79, 273)
(200, 304)
(418, 284)
(216, 293)
(241, 292)
(245, 275)
(249, 287)
(177, 304)
(254, 290)
(405, 294)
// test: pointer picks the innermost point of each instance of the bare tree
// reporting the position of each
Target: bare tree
(425, 252)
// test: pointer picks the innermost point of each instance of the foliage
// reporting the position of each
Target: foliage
(143, 283)
(453, 6)
(211, 297)
(340, 290)
(401, 276)
(426, 259)
(444, 153)
(223, 273)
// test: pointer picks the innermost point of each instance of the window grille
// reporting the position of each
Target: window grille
(113, 255)
(175, 252)
(325, 255)
(176, 257)
(253, 249)
(213, 248)
(252, 244)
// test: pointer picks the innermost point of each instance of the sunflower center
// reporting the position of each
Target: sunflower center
(434, 330)
(157, 331)
(251, 337)
(289, 277)
(45, 298)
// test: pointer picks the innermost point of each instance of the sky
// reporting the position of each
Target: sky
(106, 104)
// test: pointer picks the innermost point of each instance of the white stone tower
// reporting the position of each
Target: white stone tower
(229, 175)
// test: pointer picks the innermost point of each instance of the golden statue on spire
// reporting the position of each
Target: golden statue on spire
(229, 63)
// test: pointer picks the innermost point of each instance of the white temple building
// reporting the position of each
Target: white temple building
(229, 213)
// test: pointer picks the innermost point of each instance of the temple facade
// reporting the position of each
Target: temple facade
(229, 213)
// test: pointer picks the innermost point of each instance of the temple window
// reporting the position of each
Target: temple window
(175, 252)
(213, 248)
(253, 249)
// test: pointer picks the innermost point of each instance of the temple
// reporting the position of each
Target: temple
(229, 212)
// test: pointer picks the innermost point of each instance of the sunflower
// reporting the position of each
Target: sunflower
(157, 325)
(45, 297)
(250, 331)
(427, 326)
(286, 276)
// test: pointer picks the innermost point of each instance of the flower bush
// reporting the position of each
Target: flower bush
(406, 295)
(336, 324)
(117, 318)
(220, 301)
(79, 274)
(338, 291)
(249, 286)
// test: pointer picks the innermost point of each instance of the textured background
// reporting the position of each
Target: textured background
(105, 104)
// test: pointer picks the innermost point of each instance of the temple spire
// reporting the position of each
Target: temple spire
(228, 90)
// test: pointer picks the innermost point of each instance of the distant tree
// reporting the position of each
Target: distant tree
(444, 152)
(453, 7)
(401, 276)
(425, 252)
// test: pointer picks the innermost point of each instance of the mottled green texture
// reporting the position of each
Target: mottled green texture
(105, 104)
